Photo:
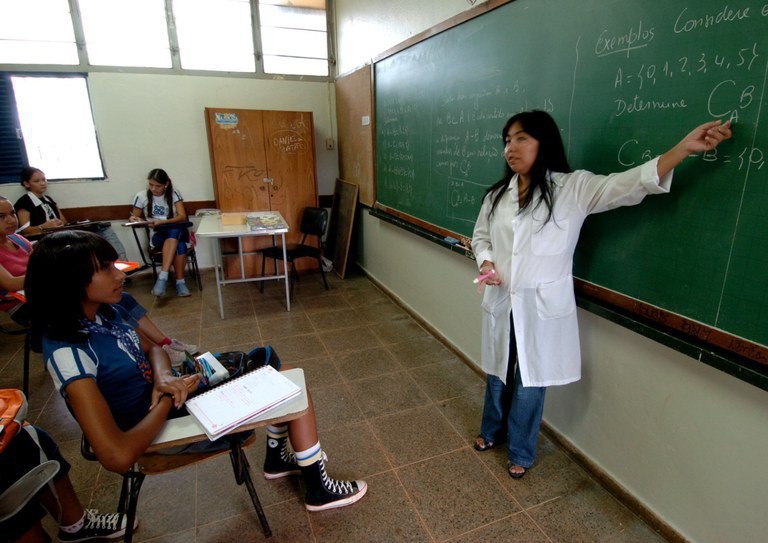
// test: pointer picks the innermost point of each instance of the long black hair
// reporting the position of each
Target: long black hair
(160, 176)
(551, 158)
(60, 269)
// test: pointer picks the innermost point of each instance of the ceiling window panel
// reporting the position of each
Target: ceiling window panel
(119, 33)
(294, 36)
(37, 32)
(214, 35)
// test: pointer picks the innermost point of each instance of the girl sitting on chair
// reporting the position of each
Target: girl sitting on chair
(120, 386)
(163, 208)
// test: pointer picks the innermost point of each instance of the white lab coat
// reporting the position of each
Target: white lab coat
(535, 262)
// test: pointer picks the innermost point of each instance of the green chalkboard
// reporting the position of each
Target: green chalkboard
(625, 80)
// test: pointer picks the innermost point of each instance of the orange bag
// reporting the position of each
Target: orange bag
(13, 411)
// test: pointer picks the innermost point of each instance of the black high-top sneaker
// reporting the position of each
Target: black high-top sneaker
(280, 461)
(324, 492)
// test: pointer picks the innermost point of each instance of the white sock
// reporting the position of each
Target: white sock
(309, 456)
(76, 527)
(163, 275)
(180, 281)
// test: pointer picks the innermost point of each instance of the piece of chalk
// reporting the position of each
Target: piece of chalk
(484, 276)
(452, 241)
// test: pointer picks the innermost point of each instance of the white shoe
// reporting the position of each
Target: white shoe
(177, 345)
(177, 357)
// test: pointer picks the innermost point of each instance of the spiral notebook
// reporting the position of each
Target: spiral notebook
(237, 401)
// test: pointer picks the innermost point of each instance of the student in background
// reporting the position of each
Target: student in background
(14, 255)
(120, 387)
(14, 258)
(26, 451)
(525, 236)
(40, 211)
(163, 208)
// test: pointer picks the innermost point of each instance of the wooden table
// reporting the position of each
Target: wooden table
(218, 227)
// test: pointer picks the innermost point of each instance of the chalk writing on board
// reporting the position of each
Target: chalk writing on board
(634, 38)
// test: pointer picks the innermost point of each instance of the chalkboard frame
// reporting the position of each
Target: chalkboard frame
(736, 355)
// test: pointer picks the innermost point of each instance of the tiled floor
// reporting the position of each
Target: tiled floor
(394, 407)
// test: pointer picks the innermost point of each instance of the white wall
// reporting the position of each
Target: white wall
(688, 441)
(157, 121)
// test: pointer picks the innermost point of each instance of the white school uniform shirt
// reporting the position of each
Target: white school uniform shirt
(535, 262)
(160, 209)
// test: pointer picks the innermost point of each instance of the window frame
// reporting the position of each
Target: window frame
(259, 73)
(9, 107)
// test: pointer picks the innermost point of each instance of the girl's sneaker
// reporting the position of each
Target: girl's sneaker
(98, 527)
(182, 290)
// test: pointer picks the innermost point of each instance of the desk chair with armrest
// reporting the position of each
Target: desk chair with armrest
(153, 256)
(186, 430)
(314, 222)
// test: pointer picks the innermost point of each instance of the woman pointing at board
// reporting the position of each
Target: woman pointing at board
(524, 240)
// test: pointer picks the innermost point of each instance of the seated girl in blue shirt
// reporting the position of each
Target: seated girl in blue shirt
(120, 385)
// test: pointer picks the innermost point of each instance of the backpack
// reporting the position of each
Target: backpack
(13, 412)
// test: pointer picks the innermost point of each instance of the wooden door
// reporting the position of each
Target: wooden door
(261, 160)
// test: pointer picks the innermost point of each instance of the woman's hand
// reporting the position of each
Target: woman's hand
(492, 280)
(706, 136)
(155, 222)
(701, 139)
(176, 387)
(135, 218)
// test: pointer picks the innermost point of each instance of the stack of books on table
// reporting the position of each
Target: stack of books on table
(264, 221)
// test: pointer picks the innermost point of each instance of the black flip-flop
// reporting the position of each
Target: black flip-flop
(486, 446)
(515, 475)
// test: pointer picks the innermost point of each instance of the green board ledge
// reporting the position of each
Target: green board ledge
(735, 356)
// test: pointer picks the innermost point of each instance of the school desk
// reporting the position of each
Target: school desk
(234, 225)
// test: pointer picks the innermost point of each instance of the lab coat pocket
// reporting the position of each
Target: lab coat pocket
(556, 299)
(496, 301)
(549, 238)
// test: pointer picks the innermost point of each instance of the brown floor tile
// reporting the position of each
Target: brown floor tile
(455, 493)
(588, 514)
(334, 407)
(320, 372)
(293, 324)
(420, 352)
(448, 379)
(294, 349)
(516, 528)
(366, 363)
(387, 394)
(349, 339)
(416, 434)
(398, 330)
(332, 320)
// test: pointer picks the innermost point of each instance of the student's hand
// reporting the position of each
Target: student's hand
(177, 387)
(155, 222)
(706, 136)
(134, 218)
(52, 223)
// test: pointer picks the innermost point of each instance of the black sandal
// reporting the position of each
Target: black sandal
(482, 445)
(515, 474)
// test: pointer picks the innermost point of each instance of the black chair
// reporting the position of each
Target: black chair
(314, 222)
(153, 256)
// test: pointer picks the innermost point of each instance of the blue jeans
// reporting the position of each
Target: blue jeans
(521, 407)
